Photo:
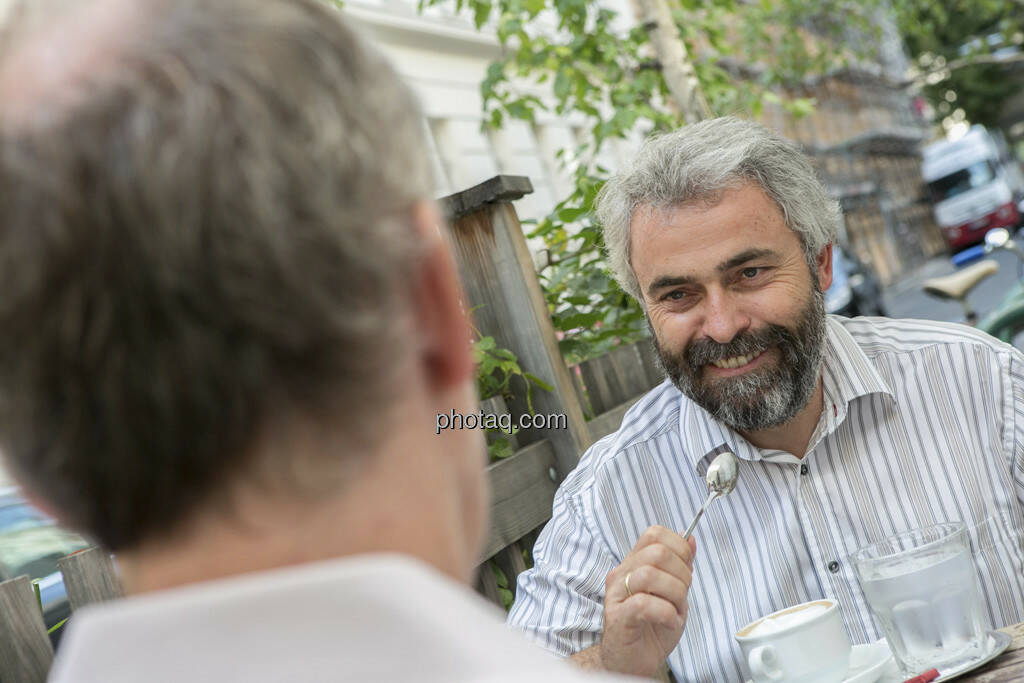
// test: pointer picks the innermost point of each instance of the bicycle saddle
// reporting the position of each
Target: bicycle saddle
(958, 284)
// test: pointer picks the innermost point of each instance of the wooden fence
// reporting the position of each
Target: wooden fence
(507, 302)
(503, 291)
(25, 650)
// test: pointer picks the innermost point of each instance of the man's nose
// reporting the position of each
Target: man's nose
(724, 317)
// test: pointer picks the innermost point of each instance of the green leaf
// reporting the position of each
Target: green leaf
(481, 13)
(537, 381)
(569, 215)
(534, 7)
(57, 625)
(500, 449)
(581, 320)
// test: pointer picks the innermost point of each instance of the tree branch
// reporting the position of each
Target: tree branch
(950, 67)
(676, 67)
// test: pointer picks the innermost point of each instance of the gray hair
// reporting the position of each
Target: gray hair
(212, 238)
(697, 163)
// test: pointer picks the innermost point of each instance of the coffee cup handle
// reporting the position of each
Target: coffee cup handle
(763, 664)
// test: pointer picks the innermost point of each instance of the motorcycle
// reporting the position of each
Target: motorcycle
(1006, 321)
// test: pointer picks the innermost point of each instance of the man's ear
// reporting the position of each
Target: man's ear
(439, 316)
(824, 265)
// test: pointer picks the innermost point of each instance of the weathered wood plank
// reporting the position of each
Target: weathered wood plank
(487, 585)
(497, 189)
(89, 577)
(629, 369)
(25, 650)
(649, 359)
(608, 422)
(496, 406)
(1016, 631)
(522, 489)
(511, 562)
(600, 383)
(999, 674)
(528, 541)
(581, 395)
(502, 289)
(1009, 666)
(618, 376)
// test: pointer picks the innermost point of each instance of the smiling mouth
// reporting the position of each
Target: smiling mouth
(736, 361)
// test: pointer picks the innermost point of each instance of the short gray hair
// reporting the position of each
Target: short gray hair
(697, 163)
(213, 238)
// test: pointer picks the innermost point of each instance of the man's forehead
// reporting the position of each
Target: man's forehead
(668, 239)
(664, 211)
(54, 49)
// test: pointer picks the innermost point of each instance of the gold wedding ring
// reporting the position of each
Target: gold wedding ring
(629, 593)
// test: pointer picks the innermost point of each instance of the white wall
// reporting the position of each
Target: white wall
(444, 59)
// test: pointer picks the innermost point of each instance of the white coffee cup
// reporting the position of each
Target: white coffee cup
(802, 644)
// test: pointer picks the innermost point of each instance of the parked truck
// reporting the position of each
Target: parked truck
(975, 185)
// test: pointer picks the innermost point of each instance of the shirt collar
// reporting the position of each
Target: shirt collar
(302, 610)
(847, 374)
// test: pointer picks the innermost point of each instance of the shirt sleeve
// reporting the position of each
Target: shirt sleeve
(559, 602)
(1017, 413)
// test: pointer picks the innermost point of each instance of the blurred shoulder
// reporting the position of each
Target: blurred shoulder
(878, 336)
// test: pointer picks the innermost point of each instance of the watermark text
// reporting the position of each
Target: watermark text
(502, 422)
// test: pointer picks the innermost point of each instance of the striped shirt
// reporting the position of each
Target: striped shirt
(922, 423)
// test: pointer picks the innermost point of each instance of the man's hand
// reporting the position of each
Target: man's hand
(644, 621)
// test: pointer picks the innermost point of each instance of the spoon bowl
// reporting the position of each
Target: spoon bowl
(722, 474)
(721, 480)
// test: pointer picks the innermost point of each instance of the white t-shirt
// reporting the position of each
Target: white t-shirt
(376, 618)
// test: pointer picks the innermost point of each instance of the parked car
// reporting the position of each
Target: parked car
(31, 543)
(855, 288)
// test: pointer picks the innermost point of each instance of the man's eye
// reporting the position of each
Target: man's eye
(750, 273)
(675, 296)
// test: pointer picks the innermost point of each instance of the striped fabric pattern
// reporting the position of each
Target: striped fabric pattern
(923, 423)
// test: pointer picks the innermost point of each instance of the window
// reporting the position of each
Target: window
(977, 174)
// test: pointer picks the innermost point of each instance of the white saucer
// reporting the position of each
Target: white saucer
(868, 662)
(996, 643)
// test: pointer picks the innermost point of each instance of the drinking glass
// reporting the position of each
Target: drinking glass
(923, 589)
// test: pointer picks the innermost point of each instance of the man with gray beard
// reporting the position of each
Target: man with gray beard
(847, 430)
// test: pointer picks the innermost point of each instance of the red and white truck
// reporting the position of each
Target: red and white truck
(975, 185)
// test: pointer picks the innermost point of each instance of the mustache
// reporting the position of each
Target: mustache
(703, 351)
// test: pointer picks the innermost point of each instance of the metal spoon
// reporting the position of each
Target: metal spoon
(721, 479)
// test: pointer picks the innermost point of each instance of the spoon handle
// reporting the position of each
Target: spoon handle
(693, 524)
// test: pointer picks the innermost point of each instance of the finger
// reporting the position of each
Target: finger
(651, 581)
(647, 609)
(660, 535)
(660, 556)
(620, 583)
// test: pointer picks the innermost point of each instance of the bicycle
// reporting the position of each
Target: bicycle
(1004, 322)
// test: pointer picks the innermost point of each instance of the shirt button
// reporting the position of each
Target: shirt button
(803, 469)
(833, 566)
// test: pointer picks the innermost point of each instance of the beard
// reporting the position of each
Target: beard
(769, 396)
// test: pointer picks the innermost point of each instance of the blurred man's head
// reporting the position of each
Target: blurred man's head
(223, 280)
(723, 233)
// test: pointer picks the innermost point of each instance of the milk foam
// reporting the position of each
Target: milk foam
(783, 622)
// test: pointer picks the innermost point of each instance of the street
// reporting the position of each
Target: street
(905, 298)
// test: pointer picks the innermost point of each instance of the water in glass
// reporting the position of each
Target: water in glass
(923, 589)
